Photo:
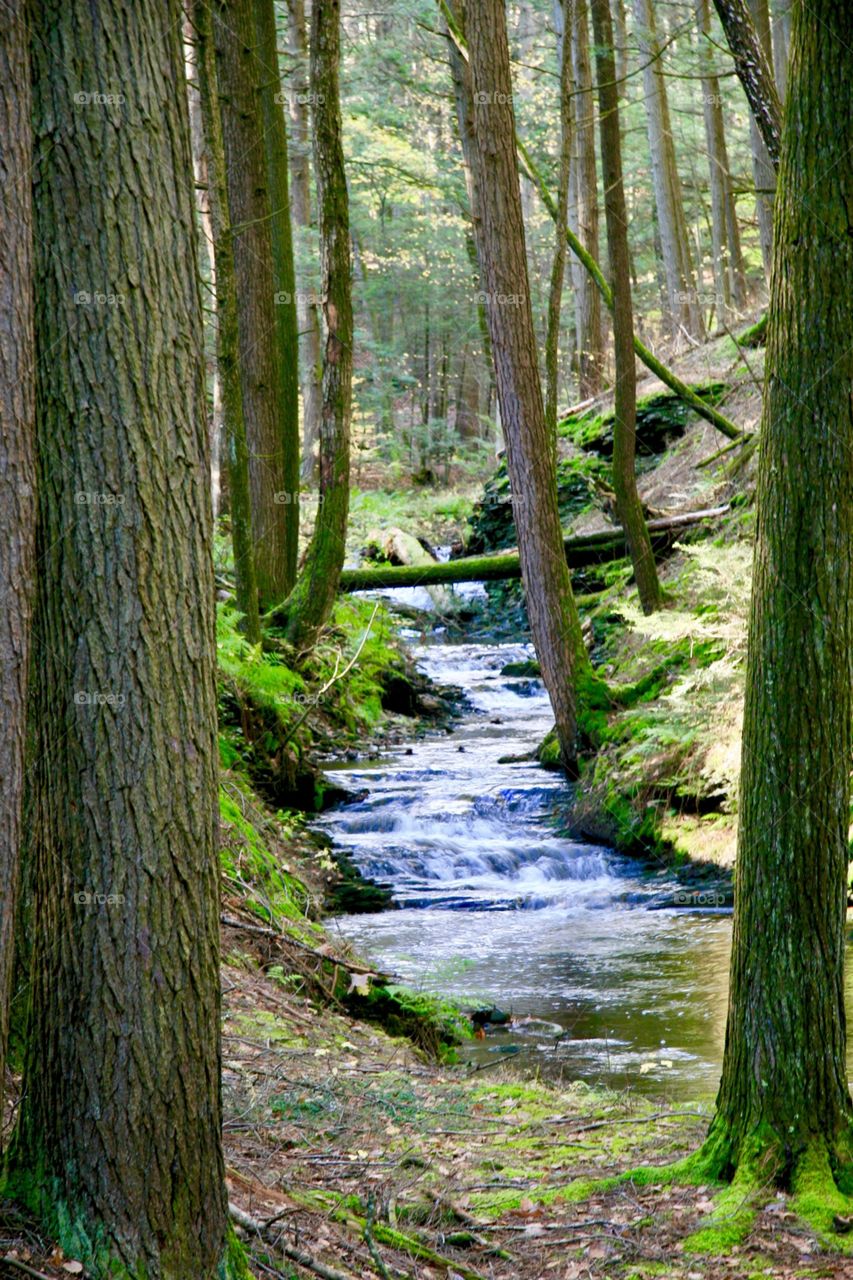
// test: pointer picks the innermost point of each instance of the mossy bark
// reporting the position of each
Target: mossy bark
(312, 599)
(628, 507)
(784, 1078)
(227, 329)
(287, 331)
(118, 1144)
(17, 467)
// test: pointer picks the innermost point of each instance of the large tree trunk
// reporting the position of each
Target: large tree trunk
(628, 507)
(562, 13)
(227, 327)
(683, 306)
(17, 467)
(554, 621)
(307, 307)
(118, 1146)
(268, 79)
(312, 599)
(729, 277)
(784, 1082)
(584, 207)
(250, 214)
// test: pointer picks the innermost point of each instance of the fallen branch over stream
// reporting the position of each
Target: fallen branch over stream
(581, 550)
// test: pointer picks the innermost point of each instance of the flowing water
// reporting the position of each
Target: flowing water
(604, 980)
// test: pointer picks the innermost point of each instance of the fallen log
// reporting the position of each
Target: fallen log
(581, 550)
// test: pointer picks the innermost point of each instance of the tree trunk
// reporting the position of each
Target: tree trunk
(729, 277)
(307, 309)
(562, 12)
(683, 306)
(17, 468)
(784, 1083)
(781, 20)
(118, 1145)
(628, 508)
(268, 79)
(312, 599)
(763, 170)
(590, 343)
(754, 71)
(250, 214)
(227, 328)
(551, 609)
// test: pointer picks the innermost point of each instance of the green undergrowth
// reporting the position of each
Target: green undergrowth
(661, 419)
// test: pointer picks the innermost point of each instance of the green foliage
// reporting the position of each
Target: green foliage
(661, 419)
(251, 848)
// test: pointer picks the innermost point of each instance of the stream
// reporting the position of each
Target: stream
(604, 981)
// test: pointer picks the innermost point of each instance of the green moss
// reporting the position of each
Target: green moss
(817, 1198)
(434, 1024)
(732, 1217)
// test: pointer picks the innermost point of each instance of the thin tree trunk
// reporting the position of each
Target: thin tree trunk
(307, 307)
(118, 1145)
(250, 214)
(590, 342)
(729, 275)
(268, 78)
(628, 508)
(682, 299)
(227, 327)
(17, 469)
(755, 72)
(763, 170)
(784, 1082)
(554, 621)
(781, 22)
(558, 267)
(311, 602)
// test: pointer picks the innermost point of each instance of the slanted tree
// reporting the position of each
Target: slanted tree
(628, 507)
(268, 79)
(310, 603)
(250, 214)
(227, 327)
(118, 1145)
(17, 467)
(551, 608)
(784, 1091)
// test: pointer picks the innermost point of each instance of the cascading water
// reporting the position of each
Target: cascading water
(498, 908)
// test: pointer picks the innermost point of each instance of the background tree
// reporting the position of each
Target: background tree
(17, 467)
(268, 79)
(227, 328)
(118, 1145)
(583, 206)
(250, 214)
(628, 507)
(554, 621)
(562, 14)
(784, 1084)
(310, 604)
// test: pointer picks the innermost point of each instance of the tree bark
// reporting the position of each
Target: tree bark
(784, 1082)
(17, 468)
(563, 13)
(227, 327)
(268, 79)
(628, 507)
(307, 307)
(250, 212)
(551, 609)
(684, 310)
(729, 276)
(584, 207)
(312, 599)
(118, 1145)
(754, 71)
